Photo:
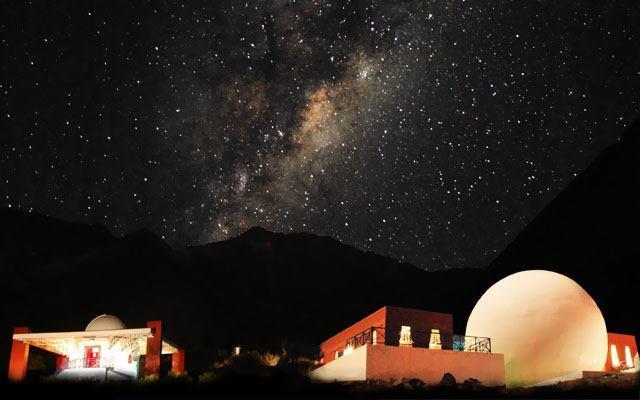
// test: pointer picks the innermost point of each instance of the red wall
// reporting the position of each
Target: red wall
(154, 350)
(391, 318)
(177, 362)
(620, 341)
(421, 323)
(19, 357)
(393, 362)
(338, 341)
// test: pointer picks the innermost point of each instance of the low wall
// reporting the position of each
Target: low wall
(386, 362)
(350, 367)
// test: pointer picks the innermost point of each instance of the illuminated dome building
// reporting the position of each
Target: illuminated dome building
(105, 350)
(549, 329)
(105, 322)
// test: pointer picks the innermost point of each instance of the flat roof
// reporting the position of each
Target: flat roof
(60, 342)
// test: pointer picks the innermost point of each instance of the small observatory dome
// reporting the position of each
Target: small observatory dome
(105, 322)
(544, 323)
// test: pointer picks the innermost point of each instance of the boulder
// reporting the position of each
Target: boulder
(472, 384)
(447, 380)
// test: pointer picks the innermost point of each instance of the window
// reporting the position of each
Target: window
(627, 357)
(434, 340)
(405, 336)
(615, 361)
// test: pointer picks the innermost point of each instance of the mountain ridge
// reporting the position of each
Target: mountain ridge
(260, 289)
(266, 289)
(589, 233)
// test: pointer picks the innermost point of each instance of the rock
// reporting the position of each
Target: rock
(472, 384)
(416, 383)
(396, 381)
(447, 380)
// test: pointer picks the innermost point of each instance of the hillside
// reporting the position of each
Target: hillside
(29, 239)
(260, 289)
(590, 233)
(264, 289)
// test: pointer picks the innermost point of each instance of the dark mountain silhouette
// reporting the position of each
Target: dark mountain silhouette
(260, 289)
(28, 239)
(264, 289)
(591, 233)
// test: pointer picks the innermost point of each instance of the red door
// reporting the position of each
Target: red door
(91, 356)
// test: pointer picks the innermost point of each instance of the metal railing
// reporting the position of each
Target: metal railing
(88, 363)
(470, 343)
(447, 341)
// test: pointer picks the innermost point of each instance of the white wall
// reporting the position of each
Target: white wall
(116, 353)
(350, 367)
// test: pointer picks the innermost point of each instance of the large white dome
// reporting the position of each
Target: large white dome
(544, 323)
(105, 322)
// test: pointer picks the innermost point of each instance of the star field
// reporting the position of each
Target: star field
(428, 131)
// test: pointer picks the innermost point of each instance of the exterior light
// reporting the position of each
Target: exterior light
(615, 361)
(348, 350)
(405, 336)
(627, 356)
(434, 341)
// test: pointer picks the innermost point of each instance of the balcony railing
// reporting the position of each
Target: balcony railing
(423, 339)
(88, 363)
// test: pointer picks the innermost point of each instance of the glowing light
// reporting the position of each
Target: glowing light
(434, 340)
(405, 336)
(348, 350)
(615, 361)
(627, 356)
(544, 323)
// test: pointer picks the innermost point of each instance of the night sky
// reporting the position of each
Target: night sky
(428, 131)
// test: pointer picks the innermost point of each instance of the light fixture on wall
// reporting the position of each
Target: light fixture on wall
(434, 341)
(405, 336)
(627, 357)
(615, 361)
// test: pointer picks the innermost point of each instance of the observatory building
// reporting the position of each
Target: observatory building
(105, 350)
(531, 328)
(549, 330)
(394, 343)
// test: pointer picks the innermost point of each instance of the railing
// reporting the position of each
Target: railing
(423, 339)
(373, 335)
(470, 343)
(88, 363)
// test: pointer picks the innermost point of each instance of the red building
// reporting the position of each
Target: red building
(395, 343)
(106, 349)
(622, 353)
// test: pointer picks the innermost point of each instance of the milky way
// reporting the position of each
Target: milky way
(428, 131)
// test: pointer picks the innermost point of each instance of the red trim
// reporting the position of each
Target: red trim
(154, 350)
(19, 357)
(61, 362)
(177, 362)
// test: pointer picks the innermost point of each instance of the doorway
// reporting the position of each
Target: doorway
(92, 356)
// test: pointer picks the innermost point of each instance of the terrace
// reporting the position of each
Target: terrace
(433, 339)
